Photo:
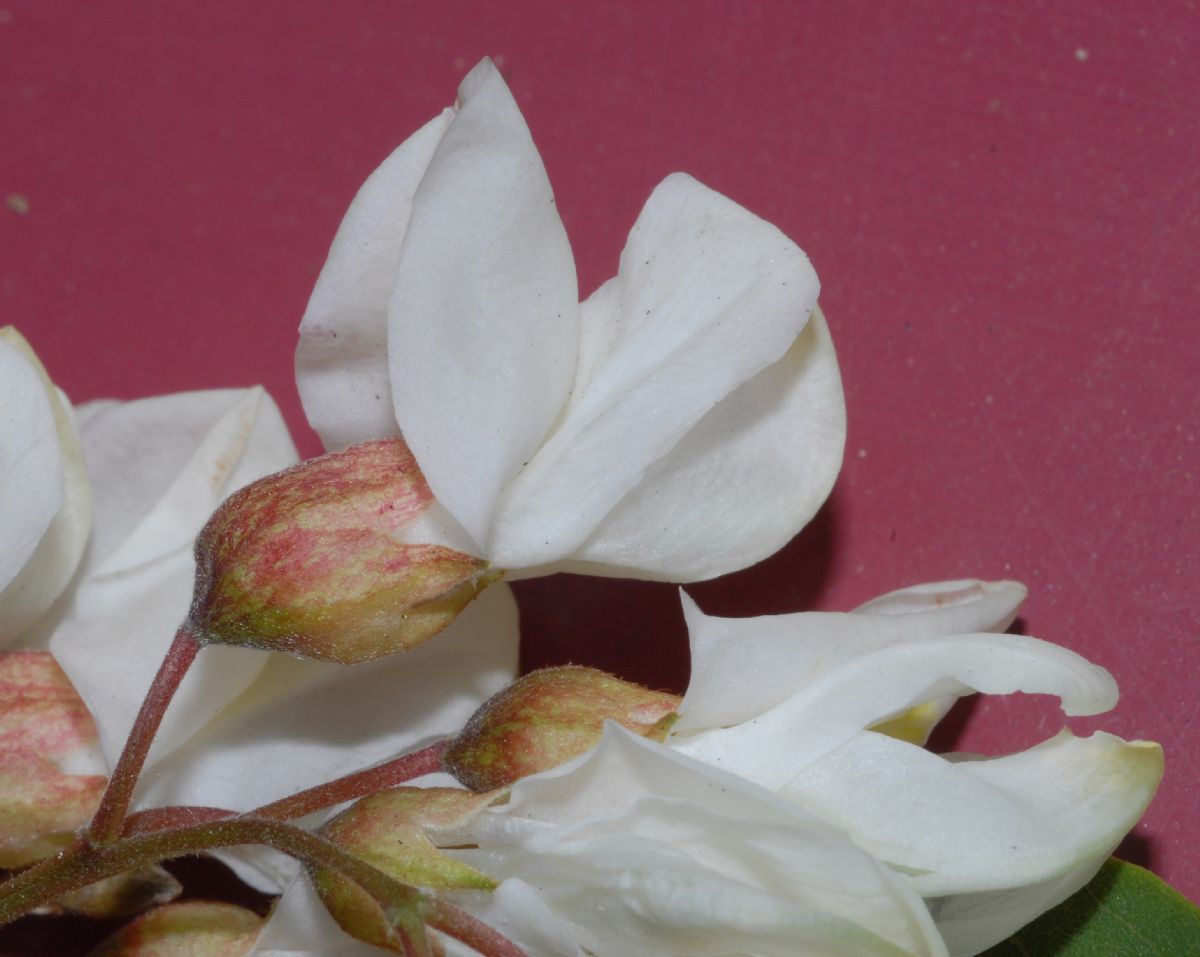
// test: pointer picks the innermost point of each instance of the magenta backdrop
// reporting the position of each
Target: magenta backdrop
(1001, 201)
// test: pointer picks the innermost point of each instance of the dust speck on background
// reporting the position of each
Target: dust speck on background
(17, 203)
(1081, 54)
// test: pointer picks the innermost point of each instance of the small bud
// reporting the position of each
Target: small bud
(311, 561)
(186, 929)
(548, 717)
(392, 830)
(46, 733)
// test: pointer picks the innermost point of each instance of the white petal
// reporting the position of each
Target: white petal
(31, 467)
(971, 923)
(772, 748)
(483, 333)
(160, 466)
(953, 607)
(304, 722)
(341, 359)
(137, 583)
(707, 296)
(299, 926)
(679, 859)
(742, 482)
(742, 667)
(983, 825)
(26, 596)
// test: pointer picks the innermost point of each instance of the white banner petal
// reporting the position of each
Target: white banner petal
(983, 825)
(707, 296)
(341, 360)
(742, 667)
(746, 478)
(827, 711)
(483, 330)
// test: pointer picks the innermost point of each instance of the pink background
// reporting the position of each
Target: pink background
(1001, 201)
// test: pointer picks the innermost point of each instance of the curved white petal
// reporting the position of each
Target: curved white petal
(742, 667)
(971, 923)
(31, 468)
(483, 332)
(137, 582)
(341, 359)
(707, 296)
(742, 482)
(677, 858)
(775, 746)
(983, 825)
(32, 480)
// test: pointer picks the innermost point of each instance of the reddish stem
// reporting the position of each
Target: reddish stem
(355, 785)
(347, 788)
(174, 816)
(480, 937)
(110, 816)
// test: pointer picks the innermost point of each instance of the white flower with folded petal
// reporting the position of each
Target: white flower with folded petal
(799, 703)
(686, 420)
(633, 850)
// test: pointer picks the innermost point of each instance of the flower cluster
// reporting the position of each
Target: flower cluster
(682, 422)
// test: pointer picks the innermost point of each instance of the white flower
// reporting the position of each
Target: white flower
(245, 727)
(789, 702)
(633, 850)
(684, 421)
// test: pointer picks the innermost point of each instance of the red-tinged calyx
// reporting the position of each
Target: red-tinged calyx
(311, 561)
(44, 727)
(548, 717)
(396, 831)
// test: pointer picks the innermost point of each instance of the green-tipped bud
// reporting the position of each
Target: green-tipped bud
(548, 717)
(395, 831)
(312, 561)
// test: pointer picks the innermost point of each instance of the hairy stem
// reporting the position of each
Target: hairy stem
(84, 864)
(355, 785)
(408, 908)
(110, 815)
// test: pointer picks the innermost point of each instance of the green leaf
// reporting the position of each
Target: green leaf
(1124, 912)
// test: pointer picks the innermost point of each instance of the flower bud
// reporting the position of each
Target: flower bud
(46, 733)
(186, 929)
(392, 831)
(548, 717)
(312, 561)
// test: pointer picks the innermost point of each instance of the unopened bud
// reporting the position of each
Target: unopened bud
(392, 830)
(548, 717)
(312, 561)
(46, 733)
(186, 929)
